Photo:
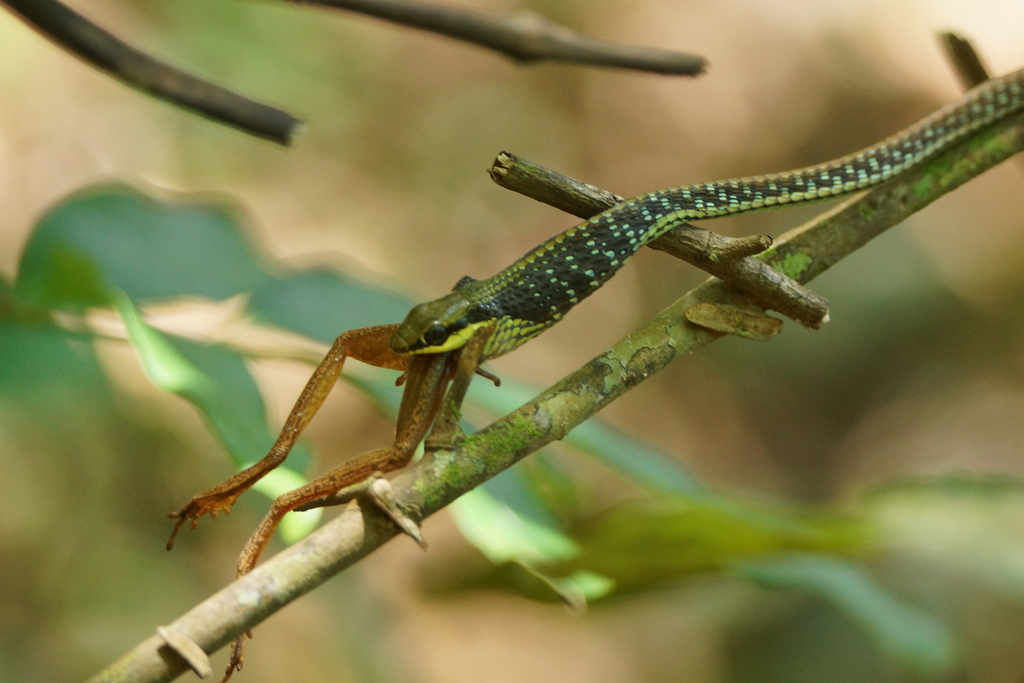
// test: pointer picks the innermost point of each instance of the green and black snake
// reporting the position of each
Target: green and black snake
(538, 290)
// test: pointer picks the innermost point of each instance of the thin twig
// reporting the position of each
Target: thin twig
(967, 64)
(79, 36)
(725, 257)
(522, 36)
(443, 476)
(563, 192)
(964, 59)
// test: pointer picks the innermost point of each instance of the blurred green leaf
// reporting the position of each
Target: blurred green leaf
(587, 585)
(968, 525)
(164, 366)
(114, 237)
(504, 536)
(555, 491)
(7, 303)
(916, 639)
(644, 544)
(519, 492)
(321, 304)
(66, 278)
(216, 380)
(43, 364)
(574, 590)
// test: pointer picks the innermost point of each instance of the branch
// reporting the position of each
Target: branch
(79, 36)
(445, 475)
(521, 36)
(966, 62)
(964, 59)
(728, 258)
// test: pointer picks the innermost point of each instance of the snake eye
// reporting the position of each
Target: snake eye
(435, 334)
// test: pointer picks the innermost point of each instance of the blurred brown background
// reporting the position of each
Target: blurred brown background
(920, 372)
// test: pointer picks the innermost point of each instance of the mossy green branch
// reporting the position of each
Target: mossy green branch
(445, 475)
(853, 223)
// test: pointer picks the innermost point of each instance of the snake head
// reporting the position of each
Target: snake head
(436, 326)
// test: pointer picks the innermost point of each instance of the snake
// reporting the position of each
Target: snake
(537, 291)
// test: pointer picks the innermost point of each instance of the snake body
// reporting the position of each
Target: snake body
(538, 290)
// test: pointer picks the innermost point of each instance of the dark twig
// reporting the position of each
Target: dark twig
(728, 258)
(445, 475)
(96, 46)
(567, 194)
(967, 64)
(964, 59)
(522, 36)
